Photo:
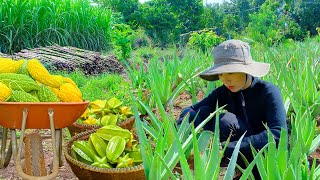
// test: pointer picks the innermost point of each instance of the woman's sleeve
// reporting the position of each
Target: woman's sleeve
(208, 101)
(276, 120)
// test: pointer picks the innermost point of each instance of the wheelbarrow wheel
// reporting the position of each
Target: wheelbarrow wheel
(34, 163)
(5, 149)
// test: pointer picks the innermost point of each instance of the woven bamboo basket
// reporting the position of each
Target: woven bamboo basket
(77, 128)
(88, 172)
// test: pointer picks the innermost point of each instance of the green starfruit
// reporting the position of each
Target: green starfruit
(115, 147)
(100, 106)
(110, 119)
(124, 161)
(99, 144)
(126, 111)
(101, 162)
(114, 103)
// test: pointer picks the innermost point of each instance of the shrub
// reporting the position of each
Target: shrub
(204, 40)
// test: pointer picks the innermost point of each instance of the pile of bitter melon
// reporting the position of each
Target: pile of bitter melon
(29, 81)
(109, 147)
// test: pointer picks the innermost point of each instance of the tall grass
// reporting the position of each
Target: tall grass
(34, 23)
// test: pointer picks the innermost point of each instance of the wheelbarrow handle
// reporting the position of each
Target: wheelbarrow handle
(19, 170)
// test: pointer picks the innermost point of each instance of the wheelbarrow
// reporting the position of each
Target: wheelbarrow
(53, 116)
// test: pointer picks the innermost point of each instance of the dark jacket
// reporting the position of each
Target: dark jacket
(259, 104)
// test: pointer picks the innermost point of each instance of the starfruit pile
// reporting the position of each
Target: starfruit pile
(105, 112)
(109, 147)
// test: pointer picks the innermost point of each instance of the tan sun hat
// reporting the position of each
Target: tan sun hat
(233, 56)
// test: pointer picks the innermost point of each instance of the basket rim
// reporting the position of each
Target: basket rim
(77, 124)
(75, 162)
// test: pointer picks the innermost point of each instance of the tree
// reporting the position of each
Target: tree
(307, 14)
(125, 7)
(264, 24)
(244, 9)
(188, 12)
(212, 16)
(159, 22)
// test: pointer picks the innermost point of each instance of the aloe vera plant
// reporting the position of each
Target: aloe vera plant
(174, 144)
(283, 162)
(296, 71)
(276, 162)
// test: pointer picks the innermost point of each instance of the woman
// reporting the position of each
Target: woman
(251, 103)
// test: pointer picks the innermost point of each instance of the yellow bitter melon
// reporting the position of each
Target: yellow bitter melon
(69, 80)
(39, 73)
(68, 93)
(5, 92)
(45, 94)
(8, 65)
(21, 96)
(19, 82)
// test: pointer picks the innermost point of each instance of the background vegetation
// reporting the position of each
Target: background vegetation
(87, 24)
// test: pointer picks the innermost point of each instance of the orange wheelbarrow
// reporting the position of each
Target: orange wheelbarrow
(53, 116)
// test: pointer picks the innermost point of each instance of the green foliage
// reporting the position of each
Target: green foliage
(296, 71)
(34, 23)
(291, 62)
(165, 20)
(266, 21)
(125, 7)
(168, 70)
(188, 13)
(159, 22)
(280, 162)
(173, 145)
(306, 14)
(244, 11)
(204, 40)
(230, 23)
(141, 39)
(212, 16)
(106, 87)
(263, 26)
(122, 39)
(273, 23)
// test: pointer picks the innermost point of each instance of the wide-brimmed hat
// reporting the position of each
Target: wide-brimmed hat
(233, 56)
